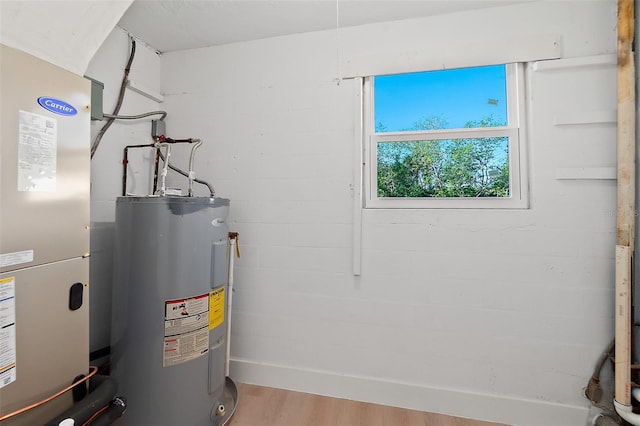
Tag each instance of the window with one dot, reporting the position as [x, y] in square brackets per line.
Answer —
[445, 139]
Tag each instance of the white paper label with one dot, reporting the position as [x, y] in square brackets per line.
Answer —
[16, 258]
[37, 151]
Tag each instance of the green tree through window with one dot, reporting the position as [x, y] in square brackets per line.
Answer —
[461, 167]
[446, 139]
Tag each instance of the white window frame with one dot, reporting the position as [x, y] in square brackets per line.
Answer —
[515, 131]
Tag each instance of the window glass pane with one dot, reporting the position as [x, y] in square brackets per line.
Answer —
[447, 99]
[468, 167]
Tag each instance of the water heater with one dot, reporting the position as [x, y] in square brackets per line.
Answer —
[168, 342]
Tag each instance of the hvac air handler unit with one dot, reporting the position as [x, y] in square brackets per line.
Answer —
[169, 334]
[44, 244]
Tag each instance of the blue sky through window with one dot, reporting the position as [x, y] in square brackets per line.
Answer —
[457, 96]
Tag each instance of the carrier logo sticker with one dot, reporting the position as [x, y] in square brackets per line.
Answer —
[56, 106]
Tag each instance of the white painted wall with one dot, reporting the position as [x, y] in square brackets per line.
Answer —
[497, 315]
[65, 33]
[494, 315]
[107, 66]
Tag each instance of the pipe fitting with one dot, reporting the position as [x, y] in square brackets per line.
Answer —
[102, 390]
[220, 410]
[626, 412]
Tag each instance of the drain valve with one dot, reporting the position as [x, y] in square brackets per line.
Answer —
[220, 410]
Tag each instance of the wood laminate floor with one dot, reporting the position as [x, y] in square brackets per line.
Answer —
[264, 406]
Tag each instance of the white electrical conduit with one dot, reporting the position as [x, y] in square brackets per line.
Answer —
[192, 173]
[626, 144]
[233, 251]
[165, 168]
[185, 174]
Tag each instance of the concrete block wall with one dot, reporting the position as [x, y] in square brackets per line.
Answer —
[493, 314]
[107, 66]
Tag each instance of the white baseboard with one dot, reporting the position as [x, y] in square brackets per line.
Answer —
[454, 402]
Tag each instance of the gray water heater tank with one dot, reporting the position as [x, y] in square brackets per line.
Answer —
[168, 341]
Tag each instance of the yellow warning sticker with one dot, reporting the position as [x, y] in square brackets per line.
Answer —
[216, 308]
[7, 331]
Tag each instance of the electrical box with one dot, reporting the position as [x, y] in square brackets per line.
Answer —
[97, 87]
[158, 128]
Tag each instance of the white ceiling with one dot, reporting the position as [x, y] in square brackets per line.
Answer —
[169, 25]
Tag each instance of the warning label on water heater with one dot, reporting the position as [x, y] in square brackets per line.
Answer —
[216, 307]
[186, 329]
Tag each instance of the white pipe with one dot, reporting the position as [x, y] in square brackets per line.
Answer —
[626, 412]
[232, 254]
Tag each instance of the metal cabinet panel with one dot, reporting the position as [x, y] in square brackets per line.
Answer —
[53, 225]
[52, 341]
